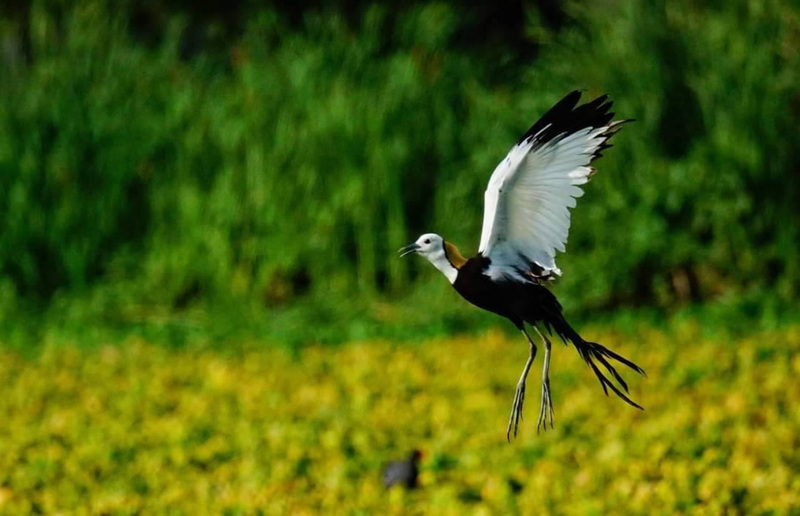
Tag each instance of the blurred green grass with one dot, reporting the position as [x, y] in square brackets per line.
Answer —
[195, 205]
[154, 160]
[132, 427]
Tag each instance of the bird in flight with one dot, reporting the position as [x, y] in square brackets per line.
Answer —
[526, 220]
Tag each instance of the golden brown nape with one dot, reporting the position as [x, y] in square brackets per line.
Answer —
[454, 256]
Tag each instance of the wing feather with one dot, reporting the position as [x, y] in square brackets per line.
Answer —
[528, 200]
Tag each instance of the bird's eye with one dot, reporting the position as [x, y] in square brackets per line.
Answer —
[427, 240]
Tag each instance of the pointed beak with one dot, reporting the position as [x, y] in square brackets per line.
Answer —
[410, 248]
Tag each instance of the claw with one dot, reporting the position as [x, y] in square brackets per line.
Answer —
[546, 409]
[516, 411]
[519, 394]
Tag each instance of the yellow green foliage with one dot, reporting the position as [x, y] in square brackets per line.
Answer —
[139, 428]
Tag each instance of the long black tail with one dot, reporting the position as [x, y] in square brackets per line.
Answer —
[591, 352]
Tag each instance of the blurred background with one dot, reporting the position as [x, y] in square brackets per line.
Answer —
[190, 174]
[161, 161]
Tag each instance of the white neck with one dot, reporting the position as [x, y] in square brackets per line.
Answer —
[440, 261]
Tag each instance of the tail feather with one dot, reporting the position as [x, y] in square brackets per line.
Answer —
[607, 384]
[591, 351]
[613, 371]
[548, 313]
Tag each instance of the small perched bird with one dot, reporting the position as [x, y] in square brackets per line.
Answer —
[403, 472]
[526, 220]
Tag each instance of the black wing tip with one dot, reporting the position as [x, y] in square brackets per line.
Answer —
[566, 117]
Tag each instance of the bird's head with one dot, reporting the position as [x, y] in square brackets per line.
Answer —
[443, 255]
[429, 245]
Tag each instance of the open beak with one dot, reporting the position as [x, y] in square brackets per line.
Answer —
[410, 248]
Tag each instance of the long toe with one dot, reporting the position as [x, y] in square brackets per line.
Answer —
[516, 412]
[541, 415]
[511, 418]
[511, 421]
[545, 410]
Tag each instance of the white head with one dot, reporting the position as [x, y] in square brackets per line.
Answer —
[433, 247]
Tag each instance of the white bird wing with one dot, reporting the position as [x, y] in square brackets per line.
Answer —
[528, 200]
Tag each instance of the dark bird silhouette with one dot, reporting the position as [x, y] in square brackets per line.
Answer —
[403, 472]
[526, 220]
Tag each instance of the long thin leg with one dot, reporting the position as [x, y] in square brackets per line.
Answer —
[546, 409]
[519, 395]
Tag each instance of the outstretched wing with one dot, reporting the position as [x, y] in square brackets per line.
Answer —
[526, 213]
